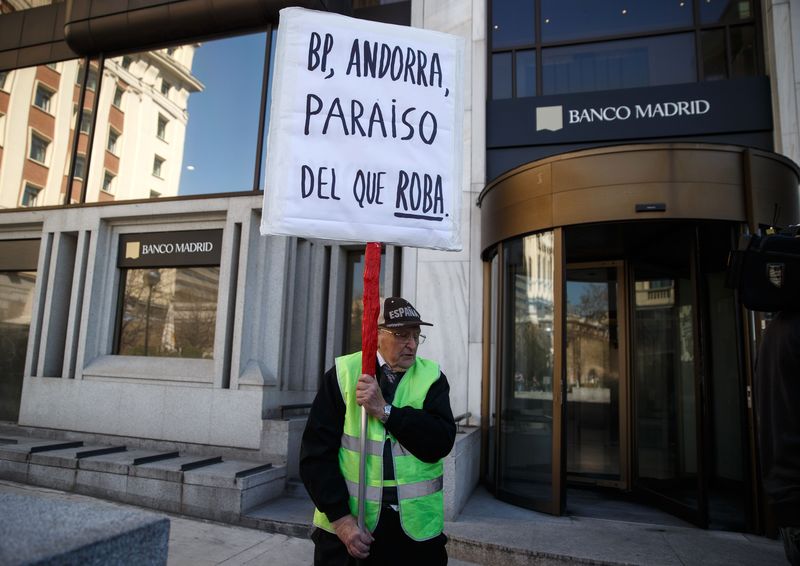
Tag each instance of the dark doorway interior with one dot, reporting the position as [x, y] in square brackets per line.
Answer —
[685, 418]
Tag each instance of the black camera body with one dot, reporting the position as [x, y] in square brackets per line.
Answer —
[766, 271]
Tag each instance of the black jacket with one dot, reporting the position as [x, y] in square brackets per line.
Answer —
[777, 396]
[428, 433]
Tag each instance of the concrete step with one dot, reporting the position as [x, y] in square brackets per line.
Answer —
[201, 486]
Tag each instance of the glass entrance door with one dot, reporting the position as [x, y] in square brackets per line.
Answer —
[596, 438]
[16, 290]
[529, 433]
[665, 369]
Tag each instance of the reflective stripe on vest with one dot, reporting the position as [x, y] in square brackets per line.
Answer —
[419, 484]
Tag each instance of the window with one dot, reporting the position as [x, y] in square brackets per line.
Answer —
[118, 96]
[108, 182]
[207, 82]
[39, 147]
[161, 131]
[165, 86]
[43, 97]
[169, 312]
[86, 121]
[53, 66]
[92, 84]
[113, 138]
[578, 19]
[30, 196]
[126, 62]
[354, 292]
[158, 166]
[80, 167]
[621, 64]
[542, 47]
[501, 76]
[3, 79]
[154, 194]
[512, 23]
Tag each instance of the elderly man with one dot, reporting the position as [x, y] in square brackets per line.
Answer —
[410, 430]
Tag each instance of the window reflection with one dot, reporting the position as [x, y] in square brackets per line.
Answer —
[619, 64]
[16, 300]
[354, 302]
[725, 11]
[185, 120]
[512, 23]
[10, 6]
[36, 119]
[526, 426]
[169, 312]
[579, 19]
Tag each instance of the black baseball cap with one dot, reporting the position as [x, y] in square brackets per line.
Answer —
[397, 312]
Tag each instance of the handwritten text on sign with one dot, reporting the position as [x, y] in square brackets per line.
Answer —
[365, 132]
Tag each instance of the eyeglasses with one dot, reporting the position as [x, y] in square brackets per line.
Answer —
[406, 336]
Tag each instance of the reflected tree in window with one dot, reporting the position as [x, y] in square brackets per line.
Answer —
[169, 312]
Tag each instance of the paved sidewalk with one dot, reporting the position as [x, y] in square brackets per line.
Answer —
[197, 542]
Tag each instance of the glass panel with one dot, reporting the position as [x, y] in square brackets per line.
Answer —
[743, 51]
[526, 418]
[10, 6]
[169, 311]
[37, 106]
[526, 73]
[354, 302]
[619, 64]
[713, 46]
[16, 298]
[725, 11]
[582, 19]
[501, 76]
[194, 107]
[663, 364]
[727, 490]
[512, 23]
[593, 373]
[269, 105]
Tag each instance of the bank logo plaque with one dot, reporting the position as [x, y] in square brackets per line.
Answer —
[132, 250]
[549, 118]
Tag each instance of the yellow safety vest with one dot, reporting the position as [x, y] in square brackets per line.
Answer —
[419, 484]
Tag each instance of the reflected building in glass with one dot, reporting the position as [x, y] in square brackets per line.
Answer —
[138, 132]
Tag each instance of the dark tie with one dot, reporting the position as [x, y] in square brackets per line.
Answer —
[389, 382]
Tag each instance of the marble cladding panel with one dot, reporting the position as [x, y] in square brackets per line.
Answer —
[144, 411]
[466, 153]
[475, 378]
[449, 16]
[469, 213]
[187, 412]
[478, 114]
[50, 403]
[475, 276]
[479, 8]
[790, 144]
[442, 299]
[235, 418]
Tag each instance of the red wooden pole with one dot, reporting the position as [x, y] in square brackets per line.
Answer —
[369, 347]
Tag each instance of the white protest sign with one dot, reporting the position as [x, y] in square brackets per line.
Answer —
[365, 140]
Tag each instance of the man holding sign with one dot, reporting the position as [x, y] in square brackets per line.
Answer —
[410, 430]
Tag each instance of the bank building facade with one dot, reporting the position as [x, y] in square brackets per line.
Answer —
[613, 156]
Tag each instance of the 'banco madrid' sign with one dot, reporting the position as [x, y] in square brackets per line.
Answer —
[675, 110]
[170, 249]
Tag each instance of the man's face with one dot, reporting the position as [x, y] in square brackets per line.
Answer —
[398, 346]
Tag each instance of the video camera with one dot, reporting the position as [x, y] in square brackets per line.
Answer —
[765, 269]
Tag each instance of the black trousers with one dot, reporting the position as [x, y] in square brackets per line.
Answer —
[391, 546]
